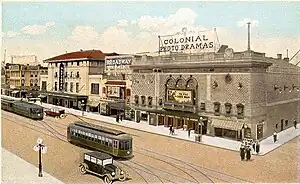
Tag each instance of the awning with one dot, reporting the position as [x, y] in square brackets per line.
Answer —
[93, 103]
[15, 92]
[42, 96]
[227, 124]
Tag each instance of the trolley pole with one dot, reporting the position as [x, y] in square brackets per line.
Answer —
[41, 148]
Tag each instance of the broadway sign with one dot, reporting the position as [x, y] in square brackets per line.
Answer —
[191, 41]
[118, 61]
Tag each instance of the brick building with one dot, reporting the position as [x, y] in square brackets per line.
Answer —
[227, 94]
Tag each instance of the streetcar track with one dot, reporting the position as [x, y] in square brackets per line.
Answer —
[135, 170]
[171, 165]
[195, 166]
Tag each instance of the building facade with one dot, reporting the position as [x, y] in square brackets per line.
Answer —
[74, 79]
[227, 94]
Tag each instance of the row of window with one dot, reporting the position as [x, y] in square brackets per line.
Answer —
[143, 100]
[66, 63]
[99, 139]
[228, 109]
[98, 161]
[66, 87]
[66, 75]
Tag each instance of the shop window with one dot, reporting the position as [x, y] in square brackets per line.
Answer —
[160, 102]
[240, 110]
[228, 108]
[136, 99]
[202, 106]
[77, 87]
[71, 86]
[94, 88]
[128, 92]
[143, 100]
[66, 86]
[217, 108]
[286, 122]
[149, 100]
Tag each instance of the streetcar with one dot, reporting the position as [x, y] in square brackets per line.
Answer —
[101, 164]
[32, 111]
[110, 141]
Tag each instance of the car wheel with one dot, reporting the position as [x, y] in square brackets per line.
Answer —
[62, 116]
[107, 180]
[82, 169]
[122, 177]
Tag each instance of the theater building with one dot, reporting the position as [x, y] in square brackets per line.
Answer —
[74, 79]
[227, 94]
[117, 86]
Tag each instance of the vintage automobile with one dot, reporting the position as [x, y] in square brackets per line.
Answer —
[101, 164]
[57, 113]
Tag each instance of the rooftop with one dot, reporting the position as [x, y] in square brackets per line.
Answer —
[82, 54]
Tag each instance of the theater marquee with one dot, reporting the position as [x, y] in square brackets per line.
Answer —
[179, 96]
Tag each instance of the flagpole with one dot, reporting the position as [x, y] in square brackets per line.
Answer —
[158, 45]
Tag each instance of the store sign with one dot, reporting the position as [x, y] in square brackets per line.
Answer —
[191, 41]
[118, 61]
[180, 96]
[113, 91]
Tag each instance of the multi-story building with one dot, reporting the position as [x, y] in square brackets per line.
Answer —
[22, 79]
[43, 82]
[227, 94]
[117, 85]
[75, 77]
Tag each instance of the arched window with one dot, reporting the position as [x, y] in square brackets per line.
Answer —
[191, 83]
[180, 83]
[171, 83]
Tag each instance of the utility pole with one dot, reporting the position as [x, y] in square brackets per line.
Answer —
[249, 35]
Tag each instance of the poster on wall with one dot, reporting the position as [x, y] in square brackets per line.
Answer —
[179, 96]
[113, 91]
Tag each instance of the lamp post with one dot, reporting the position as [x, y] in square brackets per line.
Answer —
[200, 125]
[82, 106]
[41, 148]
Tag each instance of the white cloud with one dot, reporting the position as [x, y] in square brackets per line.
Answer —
[243, 23]
[141, 35]
[37, 29]
[122, 22]
[10, 34]
[85, 34]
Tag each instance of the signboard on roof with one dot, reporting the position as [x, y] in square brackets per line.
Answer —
[118, 61]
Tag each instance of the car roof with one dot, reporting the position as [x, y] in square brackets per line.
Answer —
[98, 128]
[99, 155]
[28, 105]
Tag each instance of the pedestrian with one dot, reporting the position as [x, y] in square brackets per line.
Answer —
[121, 116]
[275, 136]
[171, 129]
[248, 153]
[189, 132]
[117, 117]
[253, 146]
[295, 124]
[257, 147]
[242, 152]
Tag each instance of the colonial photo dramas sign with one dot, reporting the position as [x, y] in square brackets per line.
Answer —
[188, 41]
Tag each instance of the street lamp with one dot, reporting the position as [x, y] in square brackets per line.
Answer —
[82, 105]
[201, 125]
[41, 148]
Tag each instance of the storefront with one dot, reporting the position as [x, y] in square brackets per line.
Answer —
[231, 129]
[67, 100]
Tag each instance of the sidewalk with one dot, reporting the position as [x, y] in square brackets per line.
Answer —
[17, 171]
[266, 145]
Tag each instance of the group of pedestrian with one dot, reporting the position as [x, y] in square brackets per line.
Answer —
[119, 116]
[246, 148]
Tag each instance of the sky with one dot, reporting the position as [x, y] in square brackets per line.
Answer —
[48, 29]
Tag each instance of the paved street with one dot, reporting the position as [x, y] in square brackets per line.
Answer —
[156, 158]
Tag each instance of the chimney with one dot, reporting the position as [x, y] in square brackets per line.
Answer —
[279, 56]
[286, 59]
